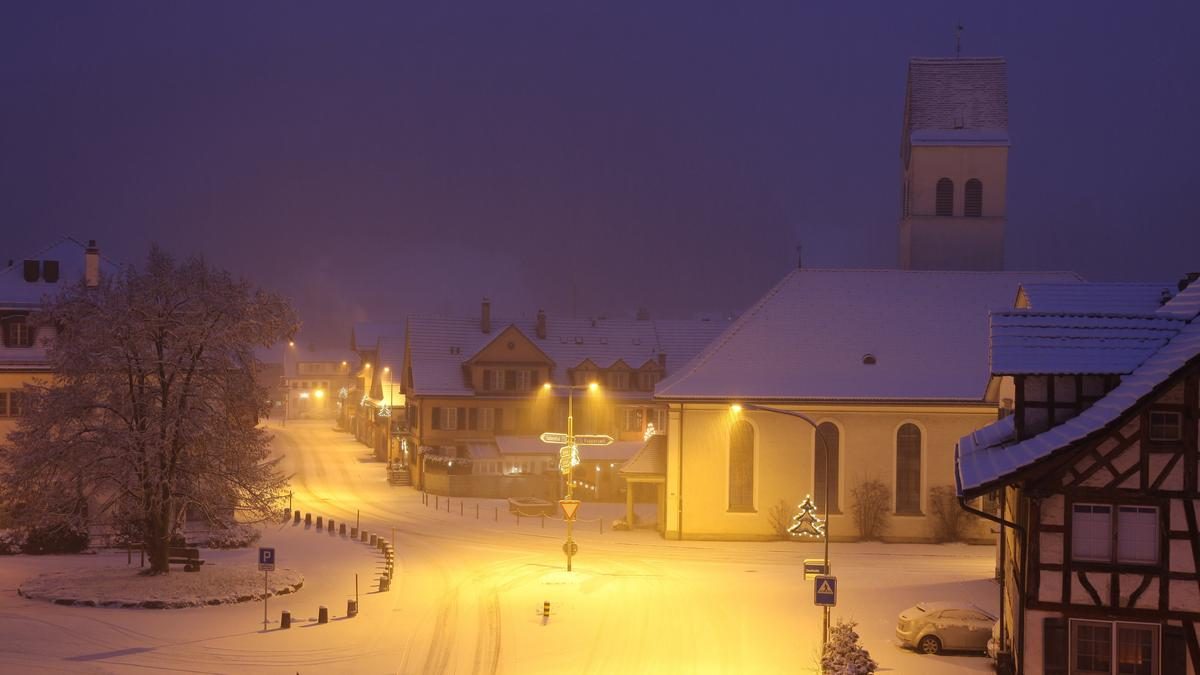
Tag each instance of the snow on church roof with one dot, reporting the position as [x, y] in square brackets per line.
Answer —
[957, 101]
[1095, 296]
[807, 338]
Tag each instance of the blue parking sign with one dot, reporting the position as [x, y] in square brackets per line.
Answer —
[266, 559]
[825, 591]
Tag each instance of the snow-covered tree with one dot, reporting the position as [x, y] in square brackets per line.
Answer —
[152, 408]
[843, 655]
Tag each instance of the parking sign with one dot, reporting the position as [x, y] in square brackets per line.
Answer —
[266, 559]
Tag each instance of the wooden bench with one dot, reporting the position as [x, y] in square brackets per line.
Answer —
[188, 557]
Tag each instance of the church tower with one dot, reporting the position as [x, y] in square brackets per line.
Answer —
[954, 164]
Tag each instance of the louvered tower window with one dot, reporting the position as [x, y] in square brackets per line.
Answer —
[973, 199]
[945, 197]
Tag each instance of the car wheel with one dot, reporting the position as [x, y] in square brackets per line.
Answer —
[929, 645]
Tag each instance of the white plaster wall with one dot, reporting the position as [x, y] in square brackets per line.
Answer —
[1126, 459]
[1034, 646]
[1099, 581]
[1051, 544]
[1129, 584]
[1178, 519]
[1174, 480]
[1183, 596]
[1052, 510]
[1050, 588]
[1181, 556]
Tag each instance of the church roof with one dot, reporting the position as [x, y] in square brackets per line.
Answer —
[957, 101]
[809, 336]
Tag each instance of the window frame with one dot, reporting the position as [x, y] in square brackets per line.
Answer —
[1113, 540]
[943, 195]
[920, 456]
[1177, 426]
[835, 507]
[1114, 644]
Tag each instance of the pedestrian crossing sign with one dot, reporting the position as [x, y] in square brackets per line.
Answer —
[825, 591]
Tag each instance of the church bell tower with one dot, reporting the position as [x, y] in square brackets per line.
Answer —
[954, 164]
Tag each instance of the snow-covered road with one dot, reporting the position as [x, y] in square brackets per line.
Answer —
[468, 594]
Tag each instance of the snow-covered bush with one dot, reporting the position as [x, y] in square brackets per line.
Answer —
[10, 542]
[843, 655]
[949, 519]
[238, 536]
[872, 498]
[60, 538]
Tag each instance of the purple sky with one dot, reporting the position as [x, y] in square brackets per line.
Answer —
[372, 160]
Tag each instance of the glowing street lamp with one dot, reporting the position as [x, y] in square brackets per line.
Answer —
[568, 458]
[823, 527]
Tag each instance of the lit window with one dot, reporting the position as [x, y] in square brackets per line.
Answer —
[1114, 648]
[632, 419]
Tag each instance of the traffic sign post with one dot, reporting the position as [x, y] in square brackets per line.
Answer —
[825, 591]
[266, 563]
[814, 567]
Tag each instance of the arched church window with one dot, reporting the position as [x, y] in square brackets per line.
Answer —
[945, 197]
[908, 469]
[741, 466]
[973, 199]
[829, 451]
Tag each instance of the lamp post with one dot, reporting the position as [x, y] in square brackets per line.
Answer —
[569, 458]
[287, 393]
[825, 453]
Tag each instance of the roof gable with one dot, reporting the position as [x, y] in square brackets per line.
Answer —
[510, 346]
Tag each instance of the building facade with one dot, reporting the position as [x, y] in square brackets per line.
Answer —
[313, 380]
[1097, 468]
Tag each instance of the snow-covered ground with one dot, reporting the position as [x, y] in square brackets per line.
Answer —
[468, 594]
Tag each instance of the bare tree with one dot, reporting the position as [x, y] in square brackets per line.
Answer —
[152, 409]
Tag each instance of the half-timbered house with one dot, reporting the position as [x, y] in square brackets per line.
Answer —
[1097, 474]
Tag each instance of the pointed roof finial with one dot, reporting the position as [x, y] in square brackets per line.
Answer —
[958, 40]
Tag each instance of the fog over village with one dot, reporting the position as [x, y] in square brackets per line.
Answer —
[569, 338]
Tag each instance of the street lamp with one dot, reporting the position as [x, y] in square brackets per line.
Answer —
[737, 408]
[568, 457]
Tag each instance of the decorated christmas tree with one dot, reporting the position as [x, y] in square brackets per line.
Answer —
[843, 655]
[807, 523]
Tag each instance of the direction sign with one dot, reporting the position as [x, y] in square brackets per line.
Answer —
[266, 559]
[825, 591]
[550, 437]
[593, 439]
[570, 507]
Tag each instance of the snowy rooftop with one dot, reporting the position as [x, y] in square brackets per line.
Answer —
[1026, 343]
[988, 455]
[365, 335]
[1096, 297]
[957, 94]
[441, 345]
[807, 338]
[300, 355]
[1186, 304]
[651, 460]
[16, 292]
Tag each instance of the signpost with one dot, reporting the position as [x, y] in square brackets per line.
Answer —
[825, 591]
[266, 563]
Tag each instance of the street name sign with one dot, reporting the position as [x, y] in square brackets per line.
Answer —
[825, 591]
[814, 567]
[266, 559]
[551, 437]
[593, 439]
[570, 507]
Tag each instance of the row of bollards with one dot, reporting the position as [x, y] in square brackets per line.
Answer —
[437, 506]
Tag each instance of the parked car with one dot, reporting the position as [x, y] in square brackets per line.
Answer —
[931, 627]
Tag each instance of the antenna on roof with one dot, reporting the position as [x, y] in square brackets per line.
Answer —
[799, 256]
[958, 41]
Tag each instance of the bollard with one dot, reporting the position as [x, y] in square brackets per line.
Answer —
[437, 502]
[601, 525]
[296, 515]
[323, 614]
[342, 529]
[545, 611]
[307, 519]
[331, 526]
[460, 508]
[363, 536]
[385, 584]
[448, 504]
[374, 539]
[354, 533]
[543, 521]
[287, 514]
[476, 510]
[320, 522]
[352, 608]
[496, 514]
[285, 619]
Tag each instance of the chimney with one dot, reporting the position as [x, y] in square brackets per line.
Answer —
[1188, 279]
[91, 264]
[643, 314]
[485, 316]
[662, 360]
[541, 324]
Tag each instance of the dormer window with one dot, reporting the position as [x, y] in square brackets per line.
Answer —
[618, 380]
[17, 332]
[647, 380]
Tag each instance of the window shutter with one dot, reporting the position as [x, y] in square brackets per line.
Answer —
[1174, 650]
[1054, 647]
[472, 419]
[462, 418]
[944, 200]
[33, 270]
[973, 198]
[435, 420]
[498, 424]
[534, 379]
[510, 380]
[50, 271]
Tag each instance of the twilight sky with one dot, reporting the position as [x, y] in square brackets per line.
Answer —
[375, 159]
